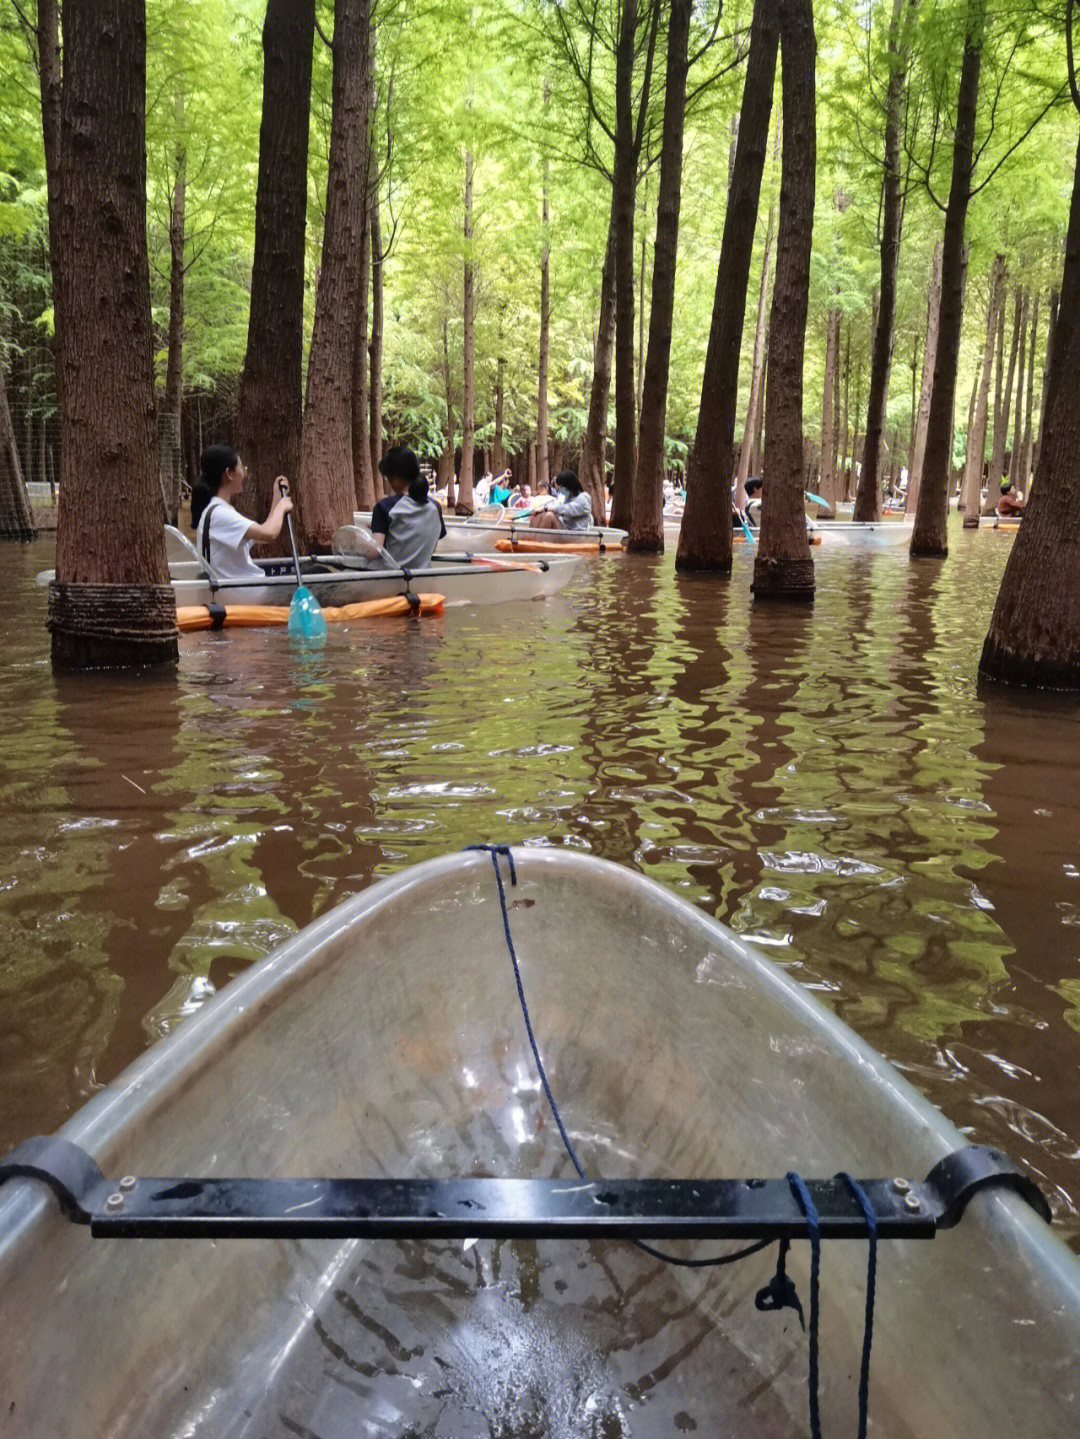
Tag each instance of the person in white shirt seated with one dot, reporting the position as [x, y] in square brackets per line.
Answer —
[223, 535]
[572, 510]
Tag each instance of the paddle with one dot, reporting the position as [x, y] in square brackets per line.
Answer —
[817, 499]
[747, 531]
[306, 619]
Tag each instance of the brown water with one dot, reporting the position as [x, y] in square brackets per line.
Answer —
[829, 782]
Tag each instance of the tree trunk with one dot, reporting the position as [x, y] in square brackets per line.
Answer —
[929, 535]
[646, 520]
[1001, 417]
[829, 416]
[468, 406]
[169, 430]
[751, 441]
[991, 500]
[705, 533]
[977, 440]
[498, 459]
[378, 330]
[1024, 472]
[1018, 417]
[845, 434]
[542, 473]
[1034, 636]
[451, 495]
[1046, 375]
[783, 567]
[640, 390]
[328, 489]
[271, 385]
[363, 473]
[623, 216]
[591, 472]
[933, 318]
[111, 602]
[16, 516]
[868, 497]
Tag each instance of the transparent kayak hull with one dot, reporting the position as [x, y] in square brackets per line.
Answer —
[387, 1039]
[483, 532]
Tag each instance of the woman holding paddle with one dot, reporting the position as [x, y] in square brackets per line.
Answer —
[223, 535]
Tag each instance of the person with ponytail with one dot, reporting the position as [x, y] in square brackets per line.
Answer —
[223, 535]
[407, 524]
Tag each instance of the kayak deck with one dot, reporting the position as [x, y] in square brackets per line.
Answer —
[387, 1040]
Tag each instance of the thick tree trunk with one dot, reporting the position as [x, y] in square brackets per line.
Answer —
[328, 489]
[1034, 636]
[623, 216]
[378, 328]
[111, 602]
[705, 533]
[929, 535]
[783, 568]
[969, 498]
[542, 473]
[1018, 417]
[646, 520]
[933, 317]
[591, 470]
[468, 390]
[1024, 471]
[271, 386]
[829, 417]
[868, 498]
[169, 456]
[363, 473]
[751, 441]
[16, 516]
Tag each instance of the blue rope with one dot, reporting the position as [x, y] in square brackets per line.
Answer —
[806, 1204]
[871, 1285]
[495, 850]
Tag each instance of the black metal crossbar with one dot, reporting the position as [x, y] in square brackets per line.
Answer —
[647, 1209]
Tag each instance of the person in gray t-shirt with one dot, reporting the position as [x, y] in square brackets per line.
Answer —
[407, 524]
[572, 509]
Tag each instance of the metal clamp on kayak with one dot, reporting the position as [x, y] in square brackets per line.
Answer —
[761, 1209]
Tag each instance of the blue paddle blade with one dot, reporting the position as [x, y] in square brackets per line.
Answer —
[306, 619]
[817, 499]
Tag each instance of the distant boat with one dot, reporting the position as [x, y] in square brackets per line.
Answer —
[386, 1040]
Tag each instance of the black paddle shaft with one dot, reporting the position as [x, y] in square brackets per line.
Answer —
[283, 489]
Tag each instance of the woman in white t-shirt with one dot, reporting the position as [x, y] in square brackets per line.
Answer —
[223, 535]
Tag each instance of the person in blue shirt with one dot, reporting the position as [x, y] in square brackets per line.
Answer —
[571, 510]
[407, 524]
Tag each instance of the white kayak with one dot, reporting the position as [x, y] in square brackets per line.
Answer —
[344, 579]
[493, 524]
[852, 534]
[386, 1041]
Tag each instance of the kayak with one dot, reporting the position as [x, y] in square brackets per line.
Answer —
[492, 525]
[859, 534]
[342, 580]
[384, 1052]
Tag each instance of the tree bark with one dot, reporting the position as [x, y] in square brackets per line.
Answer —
[498, 459]
[933, 317]
[992, 477]
[363, 472]
[542, 472]
[623, 216]
[111, 602]
[1018, 417]
[591, 472]
[842, 466]
[929, 535]
[705, 533]
[1046, 375]
[468, 403]
[829, 417]
[174, 365]
[783, 567]
[646, 520]
[1001, 418]
[977, 440]
[1034, 636]
[451, 495]
[378, 329]
[16, 516]
[1024, 471]
[328, 489]
[868, 497]
[271, 385]
[752, 430]
[640, 390]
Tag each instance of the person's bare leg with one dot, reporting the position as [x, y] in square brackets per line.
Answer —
[545, 520]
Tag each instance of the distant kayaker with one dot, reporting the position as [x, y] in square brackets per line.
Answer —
[223, 535]
[1011, 502]
[408, 524]
[571, 510]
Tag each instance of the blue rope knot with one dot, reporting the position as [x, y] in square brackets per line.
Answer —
[495, 850]
[780, 1292]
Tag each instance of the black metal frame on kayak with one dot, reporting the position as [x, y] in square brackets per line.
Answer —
[763, 1209]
